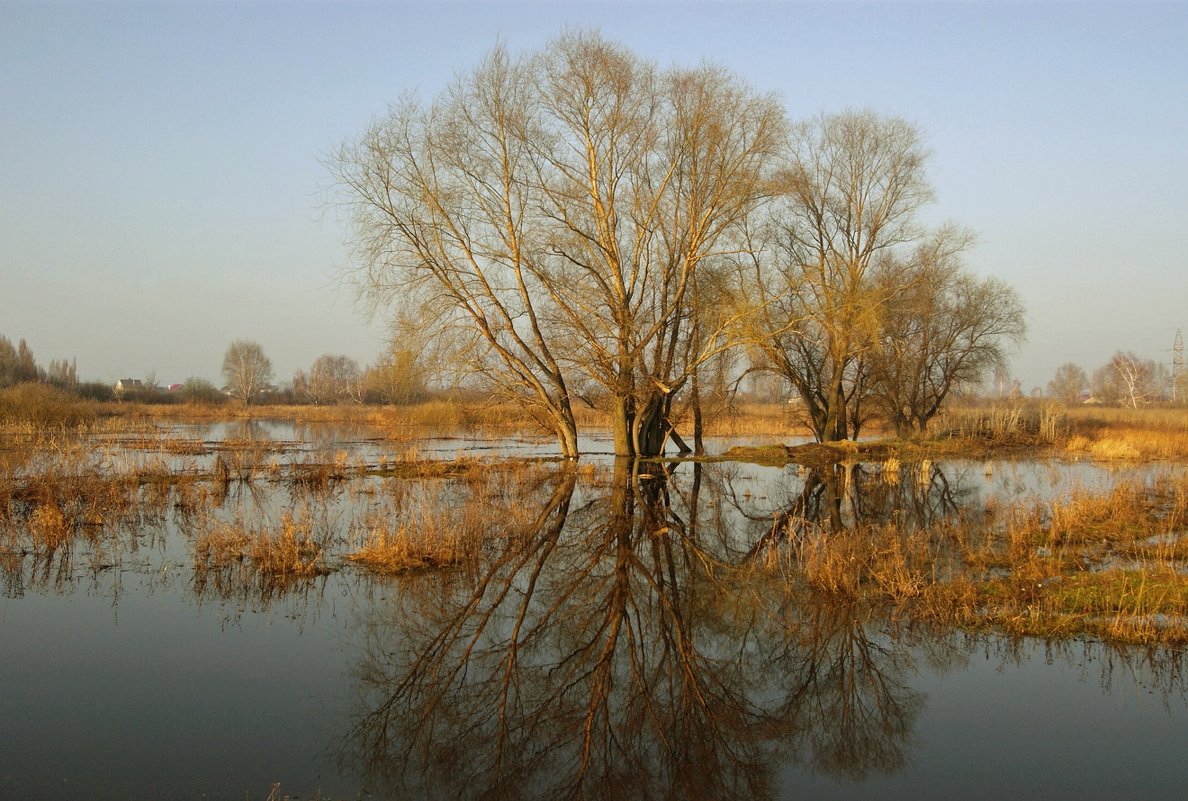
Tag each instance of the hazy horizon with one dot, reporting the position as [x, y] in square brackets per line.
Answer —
[162, 192]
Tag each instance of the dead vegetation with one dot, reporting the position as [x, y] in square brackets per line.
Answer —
[290, 550]
[1110, 564]
[258, 515]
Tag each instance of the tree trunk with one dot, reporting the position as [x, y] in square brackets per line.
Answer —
[678, 440]
[835, 408]
[649, 430]
[567, 438]
[622, 421]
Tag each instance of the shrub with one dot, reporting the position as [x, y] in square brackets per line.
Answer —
[199, 390]
[43, 405]
[96, 391]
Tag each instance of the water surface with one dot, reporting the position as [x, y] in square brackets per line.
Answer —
[603, 644]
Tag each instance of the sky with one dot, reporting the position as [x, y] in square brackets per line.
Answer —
[163, 189]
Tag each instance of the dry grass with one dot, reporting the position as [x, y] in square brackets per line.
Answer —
[469, 416]
[62, 488]
[43, 406]
[752, 419]
[1128, 442]
[389, 551]
[288, 551]
[1007, 423]
[1112, 565]
[1084, 432]
[432, 525]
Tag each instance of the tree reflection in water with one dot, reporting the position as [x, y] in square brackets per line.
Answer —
[845, 496]
[621, 648]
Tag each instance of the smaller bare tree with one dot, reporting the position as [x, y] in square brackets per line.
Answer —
[246, 369]
[1068, 384]
[942, 328]
[1139, 381]
[334, 379]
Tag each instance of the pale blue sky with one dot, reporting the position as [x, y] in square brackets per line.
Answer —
[161, 192]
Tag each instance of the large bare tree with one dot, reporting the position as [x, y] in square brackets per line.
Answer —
[559, 208]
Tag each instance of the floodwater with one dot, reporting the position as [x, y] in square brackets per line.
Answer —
[599, 645]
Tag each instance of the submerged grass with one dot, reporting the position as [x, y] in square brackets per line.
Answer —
[1112, 565]
[233, 556]
[426, 525]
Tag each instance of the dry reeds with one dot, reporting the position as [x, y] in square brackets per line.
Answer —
[1007, 423]
[1112, 564]
[289, 551]
[1128, 434]
[43, 406]
[391, 551]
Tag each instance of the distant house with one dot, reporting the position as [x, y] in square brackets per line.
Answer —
[128, 385]
[176, 387]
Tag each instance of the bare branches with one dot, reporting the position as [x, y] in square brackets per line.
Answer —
[246, 369]
[562, 205]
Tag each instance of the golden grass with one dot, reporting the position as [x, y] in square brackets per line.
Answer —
[288, 551]
[62, 488]
[1110, 564]
[1126, 434]
[43, 406]
[750, 419]
[1011, 423]
[434, 525]
[399, 422]
[1113, 442]
[389, 551]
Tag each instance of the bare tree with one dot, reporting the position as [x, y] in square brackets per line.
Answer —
[1068, 384]
[942, 328]
[1105, 386]
[246, 369]
[17, 365]
[849, 198]
[558, 208]
[397, 377]
[1138, 381]
[333, 379]
[62, 373]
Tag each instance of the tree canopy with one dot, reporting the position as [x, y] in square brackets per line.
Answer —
[581, 225]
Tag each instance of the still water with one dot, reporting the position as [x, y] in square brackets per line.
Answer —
[601, 645]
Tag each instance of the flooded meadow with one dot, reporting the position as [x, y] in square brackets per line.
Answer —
[256, 609]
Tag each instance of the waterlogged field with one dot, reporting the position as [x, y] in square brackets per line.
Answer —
[254, 609]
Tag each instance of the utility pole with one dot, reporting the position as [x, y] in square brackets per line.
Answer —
[1177, 362]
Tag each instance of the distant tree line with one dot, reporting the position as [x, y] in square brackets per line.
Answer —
[397, 377]
[1126, 379]
[17, 366]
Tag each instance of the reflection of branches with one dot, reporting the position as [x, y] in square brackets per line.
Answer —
[1155, 669]
[846, 496]
[604, 654]
[857, 714]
